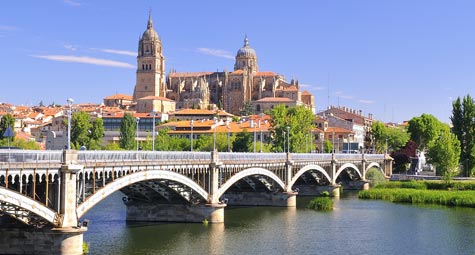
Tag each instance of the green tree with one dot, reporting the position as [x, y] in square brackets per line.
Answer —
[386, 138]
[127, 132]
[80, 128]
[297, 121]
[243, 142]
[424, 130]
[444, 153]
[327, 146]
[6, 121]
[463, 121]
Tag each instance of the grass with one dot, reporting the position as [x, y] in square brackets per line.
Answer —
[428, 185]
[439, 197]
[321, 204]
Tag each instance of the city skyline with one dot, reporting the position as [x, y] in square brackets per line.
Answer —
[395, 60]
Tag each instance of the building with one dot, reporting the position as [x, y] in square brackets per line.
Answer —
[246, 84]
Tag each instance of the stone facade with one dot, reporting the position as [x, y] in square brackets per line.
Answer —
[208, 90]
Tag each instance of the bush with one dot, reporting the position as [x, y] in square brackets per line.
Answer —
[375, 177]
[403, 185]
[321, 204]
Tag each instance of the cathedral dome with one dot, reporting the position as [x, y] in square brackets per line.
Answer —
[246, 50]
[149, 34]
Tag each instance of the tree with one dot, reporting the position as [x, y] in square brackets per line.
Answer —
[127, 132]
[444, 153]
[327, 146]
[6, 121]
[299, 121]
[242, 142]
[247, 109]
[424, 130]
[463, 121]
[402, 157]
[80, 127]
[388, 137]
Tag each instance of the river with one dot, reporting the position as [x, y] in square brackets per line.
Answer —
[353, 227]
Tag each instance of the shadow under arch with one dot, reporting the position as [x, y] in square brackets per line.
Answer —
[134, 178]
[248, 172]
[308, 168]
[348, 165]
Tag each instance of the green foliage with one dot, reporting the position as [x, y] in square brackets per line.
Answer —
[6, 121]
[448, 198]
[243, 142]
[325, 194]
[327, 146]
[424, 130]
[444, 154]
[402, 185]
[321, 204]
[388, 137]
[298, 119]
[463, 121]
[127, 132]
[113, 147]
[375, 177]
[26, 145]
[85, 248]
[80, 127]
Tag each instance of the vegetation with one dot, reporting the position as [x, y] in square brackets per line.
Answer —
[297, 121]
[414, 196]
[86, 133]
[375, 177]
[6, 121]
[388, 137]
[242, 142]
[127, 132]
[463, 121]
[85, 248]
[321, 204]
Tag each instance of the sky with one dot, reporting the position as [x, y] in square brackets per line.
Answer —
[395, 59]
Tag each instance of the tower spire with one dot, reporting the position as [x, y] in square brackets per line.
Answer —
[246, 41]
[150, 22]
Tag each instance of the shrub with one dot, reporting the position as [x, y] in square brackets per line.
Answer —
[375, 177]
[321, 204]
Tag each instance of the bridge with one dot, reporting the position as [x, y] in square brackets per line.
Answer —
[49, 191]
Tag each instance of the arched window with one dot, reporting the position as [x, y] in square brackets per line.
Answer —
[143, 67]
[258, 108]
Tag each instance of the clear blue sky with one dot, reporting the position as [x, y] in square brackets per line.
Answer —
[396, 59]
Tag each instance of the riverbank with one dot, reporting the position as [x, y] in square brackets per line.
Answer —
[460, 194]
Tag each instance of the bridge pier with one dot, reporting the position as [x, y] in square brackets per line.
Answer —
[147, 212]
[24, 240]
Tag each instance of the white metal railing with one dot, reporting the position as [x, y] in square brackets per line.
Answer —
[173, 156]
[7, 155]
[108, 156]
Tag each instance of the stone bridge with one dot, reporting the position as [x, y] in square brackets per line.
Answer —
[49, 191]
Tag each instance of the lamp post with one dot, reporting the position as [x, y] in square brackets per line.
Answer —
[261, 141]
[333, 142]
[284, 141]
[254, 125]
[153, 130]
[228, 127]
[137, 132]
[191, 136]
[70, 104]
[288, 139]
[214, 137]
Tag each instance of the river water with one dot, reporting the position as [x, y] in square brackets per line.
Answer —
[353, 227]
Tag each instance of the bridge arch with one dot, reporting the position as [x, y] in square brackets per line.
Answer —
[374, 164]
[24, 202]
[307, 168]
[134, 178]
[248, 172]
[347, 165]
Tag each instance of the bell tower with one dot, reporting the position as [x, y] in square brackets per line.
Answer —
[150, 78]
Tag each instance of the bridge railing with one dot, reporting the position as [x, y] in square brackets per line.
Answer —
[108, 156]
[243, 156]
[30, 156]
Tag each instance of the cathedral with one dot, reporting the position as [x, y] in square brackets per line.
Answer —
[230, 91]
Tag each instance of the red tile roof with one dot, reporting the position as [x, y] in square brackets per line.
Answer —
[274, 99]
[120, 96]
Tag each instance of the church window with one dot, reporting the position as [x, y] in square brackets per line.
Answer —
[258, 108]
[143, 67]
